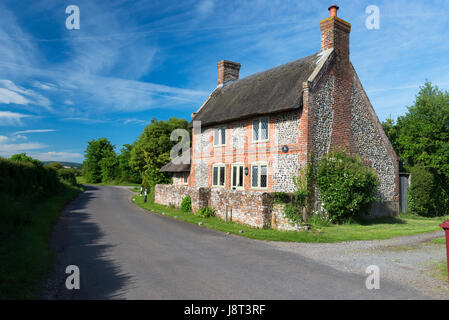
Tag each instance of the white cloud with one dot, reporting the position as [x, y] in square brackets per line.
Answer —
[134, 120]
[44, 85]
[8, 149]
[34, 131]
[8, 118]
[11, 93]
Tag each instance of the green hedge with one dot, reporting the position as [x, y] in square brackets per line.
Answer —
[32, 180]
[427, 196]
[67, 175]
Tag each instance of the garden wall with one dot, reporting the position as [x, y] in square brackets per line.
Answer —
[247, 207]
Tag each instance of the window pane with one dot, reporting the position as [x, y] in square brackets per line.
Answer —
[216, 136]
[223, 135]
[256, 130]
[241, 176]
[222, 176]
[264, 129]
[263, 176]
[234, 176]
[215, 176]
[254, 176]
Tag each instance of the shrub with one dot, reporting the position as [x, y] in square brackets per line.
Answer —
[281, 197]
[424, 194]
[292, 213]
[206, 212]
[347, 186]
[27, 178]
[67, 175]
[186, 204]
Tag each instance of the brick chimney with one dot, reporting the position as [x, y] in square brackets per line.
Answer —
[335, 34]
[227, 71]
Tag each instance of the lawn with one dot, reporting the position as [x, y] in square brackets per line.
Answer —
[25, 256]
[376, 229]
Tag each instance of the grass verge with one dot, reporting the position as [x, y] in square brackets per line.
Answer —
[25, 256]
[442, 267]
[370, 230]
[439, 240]
[82, 180]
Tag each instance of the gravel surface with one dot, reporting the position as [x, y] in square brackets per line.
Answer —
[410, 260]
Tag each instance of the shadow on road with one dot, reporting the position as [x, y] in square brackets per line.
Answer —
[77, 240]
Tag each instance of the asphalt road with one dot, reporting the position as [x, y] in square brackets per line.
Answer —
[124, 252]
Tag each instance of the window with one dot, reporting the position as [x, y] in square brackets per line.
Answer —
[220, 136]
[259, 175]
[185, 178]
[260, 129]
[218, 175]
[237, 176]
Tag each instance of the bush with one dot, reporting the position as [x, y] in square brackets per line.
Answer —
[347, 186]
[186, 204]
[25, 178]
[424, 194]
[281, 197]
[67, 175]
[292, 213]
[206, 212]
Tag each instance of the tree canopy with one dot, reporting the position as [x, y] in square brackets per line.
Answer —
[152, 150]
[421, 137]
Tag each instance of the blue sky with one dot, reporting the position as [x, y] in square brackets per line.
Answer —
[132, 61]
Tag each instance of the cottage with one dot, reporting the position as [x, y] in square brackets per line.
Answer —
[253, 134]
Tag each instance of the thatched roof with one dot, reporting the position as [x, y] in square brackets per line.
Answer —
[274, 90]
[171, 167]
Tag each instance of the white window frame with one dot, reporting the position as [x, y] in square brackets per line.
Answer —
[238, 164]
[258, 164]
[219, 129]
[218, 165]
[260, 129]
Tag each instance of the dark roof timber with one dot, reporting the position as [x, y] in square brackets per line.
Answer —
[275, 90]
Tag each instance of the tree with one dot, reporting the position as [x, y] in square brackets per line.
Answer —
[24, 158]
[152, 150]
[94, 169]
[109, 166]
[421, 139]
[423, 133]
[127, 173]
[55, 165]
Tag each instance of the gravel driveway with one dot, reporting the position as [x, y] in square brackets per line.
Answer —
[409, 260]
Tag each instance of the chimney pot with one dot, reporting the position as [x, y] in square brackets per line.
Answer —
[227, 71]
[333, 10]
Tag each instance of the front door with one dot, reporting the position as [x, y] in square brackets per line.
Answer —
[237, 177]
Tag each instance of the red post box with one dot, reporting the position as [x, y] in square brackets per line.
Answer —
[445, 226]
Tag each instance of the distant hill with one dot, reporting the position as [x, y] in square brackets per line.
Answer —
[65, 164]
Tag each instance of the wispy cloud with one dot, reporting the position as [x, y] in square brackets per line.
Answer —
[8, 149]
[8, 118]
[11, 93]
[34, 131]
